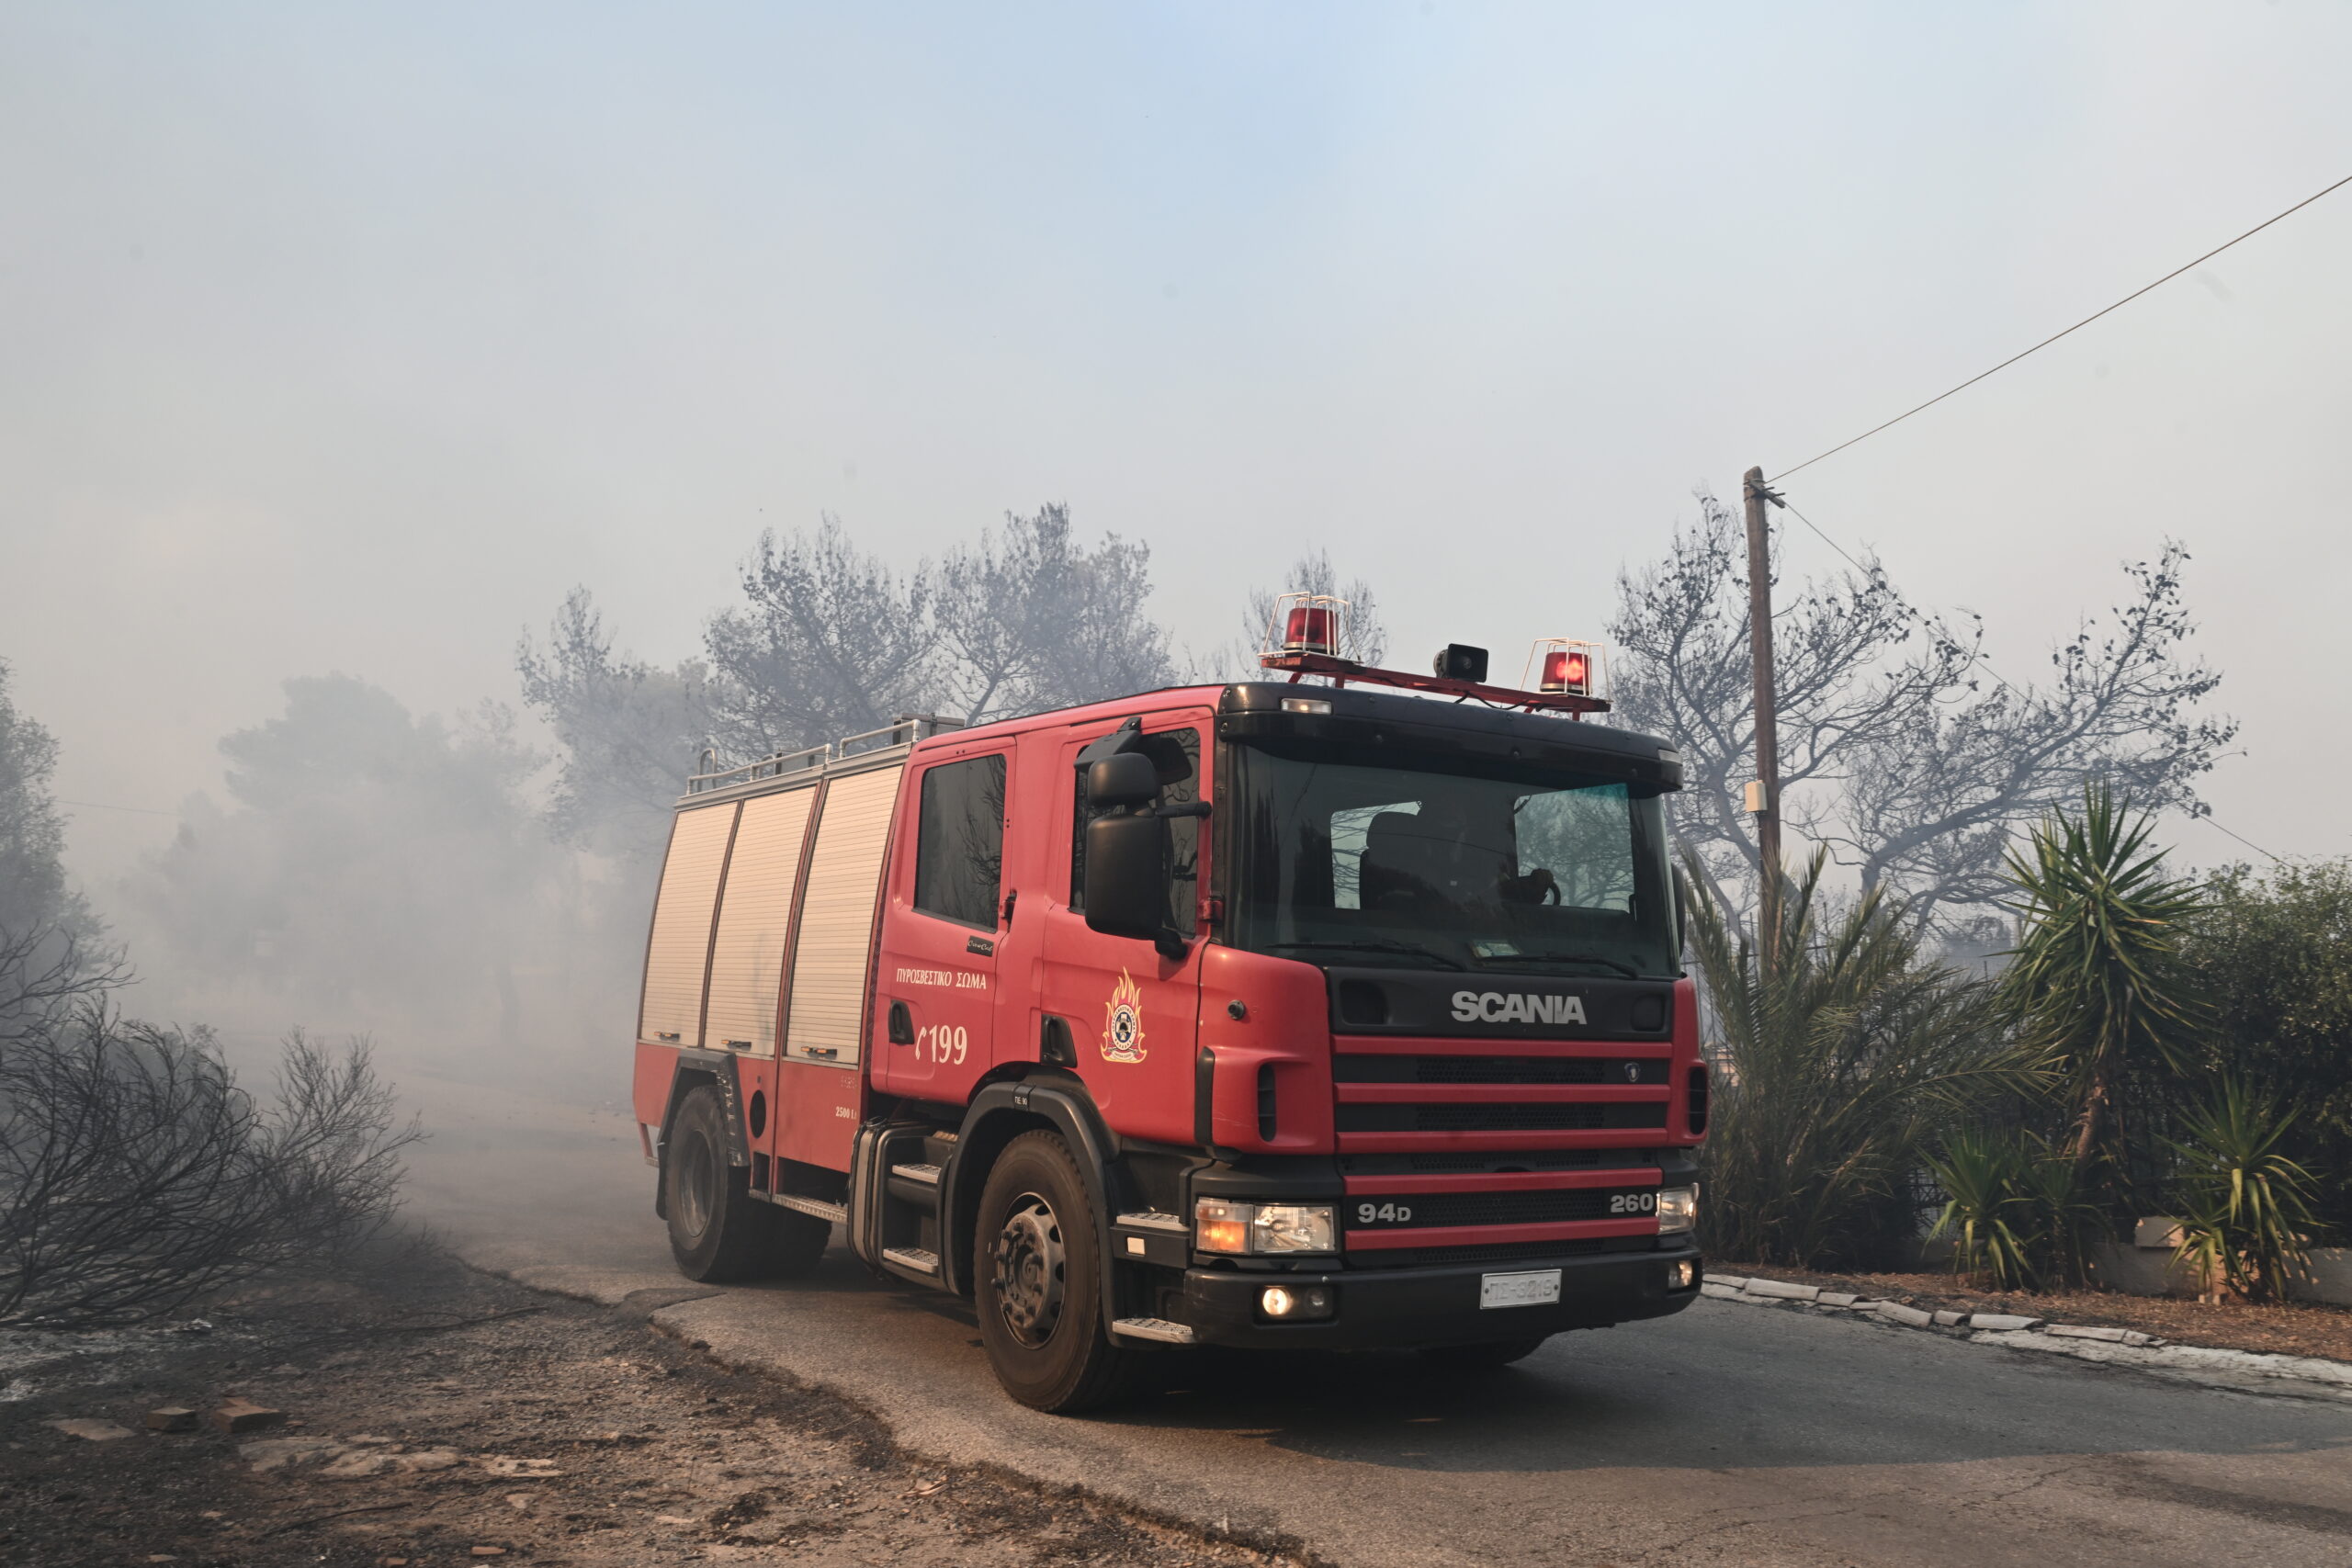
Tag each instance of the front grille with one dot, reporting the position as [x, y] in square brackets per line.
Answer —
[1497, 1118]
[1490, 1163]
[1498, 1207]
[1437, 1257]
[1498, 1069]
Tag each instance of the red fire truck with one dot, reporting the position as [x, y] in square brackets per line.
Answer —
[1263, 1015]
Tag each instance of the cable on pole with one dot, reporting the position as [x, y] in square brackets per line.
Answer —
[2053, 337]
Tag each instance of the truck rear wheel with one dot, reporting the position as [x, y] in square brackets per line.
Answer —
[718, 1232]
[1037, 1274]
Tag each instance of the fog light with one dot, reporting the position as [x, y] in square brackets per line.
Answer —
[1294, 1303]
[1682, 1276]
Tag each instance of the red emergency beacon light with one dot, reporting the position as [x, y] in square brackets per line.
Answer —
[1566, 667]
[1310, 623]
[1308, 631]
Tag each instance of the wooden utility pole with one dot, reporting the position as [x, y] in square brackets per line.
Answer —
[1765, 800]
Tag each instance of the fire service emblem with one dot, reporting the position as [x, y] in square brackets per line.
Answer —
[1123, 1021]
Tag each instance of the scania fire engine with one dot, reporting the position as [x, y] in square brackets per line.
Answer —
[1343, 1015]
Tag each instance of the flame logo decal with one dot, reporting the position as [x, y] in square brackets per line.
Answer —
[1123, 1021]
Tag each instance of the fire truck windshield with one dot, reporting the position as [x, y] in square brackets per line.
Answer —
[1455, 863]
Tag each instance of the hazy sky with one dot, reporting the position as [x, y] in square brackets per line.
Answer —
[348, 338]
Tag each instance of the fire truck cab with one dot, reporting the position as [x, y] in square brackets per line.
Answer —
[1263, 1015]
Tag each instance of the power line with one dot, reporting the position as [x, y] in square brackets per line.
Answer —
[102, 806]
[1981, 662]
[2053, 337]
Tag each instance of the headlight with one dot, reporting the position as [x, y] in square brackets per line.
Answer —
[1221, 1226]
[1292, 1227]
[1678, 1209]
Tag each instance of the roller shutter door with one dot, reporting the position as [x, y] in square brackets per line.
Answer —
[679, 946]
[754, 917]
[837, 918]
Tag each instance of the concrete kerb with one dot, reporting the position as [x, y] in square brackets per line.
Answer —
[2088, 1342]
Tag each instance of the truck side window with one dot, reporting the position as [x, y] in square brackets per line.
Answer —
[1177, 755]
[959, 841]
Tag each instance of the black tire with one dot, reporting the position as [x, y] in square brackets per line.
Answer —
[1487, 1357]
[1036, 1269]
[718, 1232]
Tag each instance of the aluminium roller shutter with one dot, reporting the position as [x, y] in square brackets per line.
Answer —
[754, 916]
[837, 918]
[680, 944]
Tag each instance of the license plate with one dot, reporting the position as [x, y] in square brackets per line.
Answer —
[1537, 1288]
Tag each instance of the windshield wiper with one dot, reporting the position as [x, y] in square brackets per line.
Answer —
[1424, 954]
[1626, 969]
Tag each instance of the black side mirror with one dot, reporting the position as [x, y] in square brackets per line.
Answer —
[1127, 779]
[1126, 872]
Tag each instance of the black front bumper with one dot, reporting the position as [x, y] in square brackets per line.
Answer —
[1410, 1308]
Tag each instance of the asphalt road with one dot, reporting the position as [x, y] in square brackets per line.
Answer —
[1728, 1434]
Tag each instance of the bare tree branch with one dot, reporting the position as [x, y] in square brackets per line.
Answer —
[1898, 753]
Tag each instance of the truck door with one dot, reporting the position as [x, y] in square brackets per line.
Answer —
[1131, 1012]
[935, 988]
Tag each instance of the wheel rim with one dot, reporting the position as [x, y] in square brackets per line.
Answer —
[1031, 1269]
[694, 1186]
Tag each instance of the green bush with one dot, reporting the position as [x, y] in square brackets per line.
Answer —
[2274, 953]
[1982, 1174]
[1840, 1069]
[2245, 1206]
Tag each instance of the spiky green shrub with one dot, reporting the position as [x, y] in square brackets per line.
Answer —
[2246, 1205]
[2097, 979]
[1840, 1068]
[1983, 1176]
[2064, 1220]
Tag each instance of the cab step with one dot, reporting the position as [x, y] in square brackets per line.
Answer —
[926, 1174]
[1156, 1328]
[916, 1259]
[836, 1213]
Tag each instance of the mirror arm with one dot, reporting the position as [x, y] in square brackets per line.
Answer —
[1187, 808]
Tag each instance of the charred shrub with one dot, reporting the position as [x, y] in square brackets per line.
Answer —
[136, 1176]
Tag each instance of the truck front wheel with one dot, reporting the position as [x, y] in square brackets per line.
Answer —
[1037, 1282]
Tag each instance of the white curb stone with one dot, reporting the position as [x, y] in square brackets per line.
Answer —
[1736, 1284]
[2112, 1336]
[2085, 1342]
[1781, 1291]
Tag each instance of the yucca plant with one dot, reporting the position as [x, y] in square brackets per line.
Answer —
[1986, 1211]
[1843, 1062]
[2065, 1219]
[2097, 978]
[2245, 1206]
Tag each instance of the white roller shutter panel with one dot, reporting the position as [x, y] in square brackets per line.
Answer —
[837, 918]
[671, 1014]
[746, 957]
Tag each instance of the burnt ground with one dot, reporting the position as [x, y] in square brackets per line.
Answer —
[2286, 1328]
[436, 1415]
